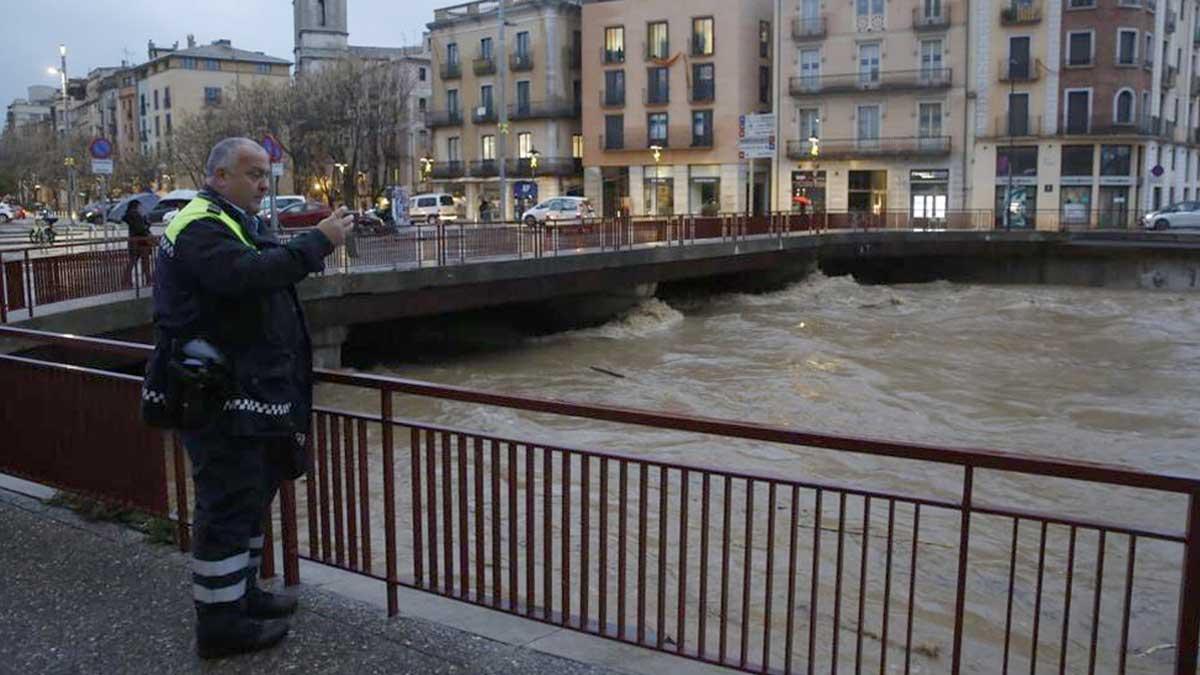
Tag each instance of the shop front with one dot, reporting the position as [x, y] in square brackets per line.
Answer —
[808, 191]
[930, 193]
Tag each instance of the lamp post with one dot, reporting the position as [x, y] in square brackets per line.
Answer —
[656, 153]
[341, 167]
[426, 169]
[61, 71]
[1009, 160]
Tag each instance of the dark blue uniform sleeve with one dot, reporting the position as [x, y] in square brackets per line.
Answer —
[223, 265]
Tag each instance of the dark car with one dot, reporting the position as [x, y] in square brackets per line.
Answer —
[307, 214]
[96, 212]
[146, 202]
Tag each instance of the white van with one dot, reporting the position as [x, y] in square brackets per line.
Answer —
[432, 207]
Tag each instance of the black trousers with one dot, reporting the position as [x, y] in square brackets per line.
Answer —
[235, 480]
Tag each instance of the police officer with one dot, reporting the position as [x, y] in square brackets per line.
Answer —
[225, 280]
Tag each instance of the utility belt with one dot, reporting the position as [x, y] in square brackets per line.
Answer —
[186, 387]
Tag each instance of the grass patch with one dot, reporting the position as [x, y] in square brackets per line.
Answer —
[157, 530]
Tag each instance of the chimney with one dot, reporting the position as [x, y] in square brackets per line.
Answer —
[225, 42]
[191, 40]
[150, 49]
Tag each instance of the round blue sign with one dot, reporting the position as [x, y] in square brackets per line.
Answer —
[273, 148]
[1157, 170]
[101, 148]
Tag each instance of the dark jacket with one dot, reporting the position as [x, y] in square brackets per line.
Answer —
[210, 284]
[136, 221]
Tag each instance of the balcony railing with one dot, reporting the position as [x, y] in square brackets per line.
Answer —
[444, 170]
[612, 99]
[484, 168]
[656, 96]
[808, 29]
[484, 65]
[451, 71]
[926, 78]
[546, 166]
[610, 56]
[1170, 23]
[484, 114]
[443, 118]
[1020, 71]
[1021, 13]
[1016, 126]
[548, 109]
[924, 21]
[610, 142]
[703, 93]
[1170, 74]
[874, 147]
[520, 62]
[662, 52]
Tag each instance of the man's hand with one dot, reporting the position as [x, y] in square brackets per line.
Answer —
[337, 225]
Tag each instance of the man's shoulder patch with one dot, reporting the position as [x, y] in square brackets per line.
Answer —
[213, 209]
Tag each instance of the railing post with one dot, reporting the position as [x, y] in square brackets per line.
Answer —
[1188, 636]
[291, 544]
[3, 291]
[964, 542]
[28, 272]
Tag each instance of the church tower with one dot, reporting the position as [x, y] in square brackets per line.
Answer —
[321, 32]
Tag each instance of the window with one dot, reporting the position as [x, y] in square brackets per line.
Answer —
[703, 86]
[1115, 160]
[930, 115]
[168, 123]
[1078, 160]
[452, 153]
[452, 101]
[212, 95]
[1078, 113]
[524, 144]
[658, 43]
[810, 123]
[421, 74]
[868, 64]
[1081, 4]
[867, 8]
[1123, 107]
[262, 68]
[614, 132]
[523, 97]
[1019, 62]
[487, 149]
[764, 39]
[1079, 49]
[702, 36]
[764, 85]
[614, 87]
[931, 59]
[485, 48]
[1126, 47]
[810, 69]
[452, 54]
[1021, 160]
[577, 146]
[167, 98]
[212, 64]
[421, 104]
[485, 98]
[702, 128]
[1018, 115]
[614, 44]
[523, 44]
[656, 129]
[188, 63]
[156, 99]
[868, 124]
[659, 81]
[157, 130]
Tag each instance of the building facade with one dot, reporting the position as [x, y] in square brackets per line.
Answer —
[537, 78]
[34, 109]
[322, 33]
[665, 84]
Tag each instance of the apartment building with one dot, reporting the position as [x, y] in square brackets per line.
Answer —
[175, 83]
[665, 84]
[34, 109]
[1087, 117]
[873, 106]
[540, 70]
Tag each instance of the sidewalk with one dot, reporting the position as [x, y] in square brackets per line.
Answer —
[79, 596]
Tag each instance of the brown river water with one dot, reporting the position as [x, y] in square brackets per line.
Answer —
[1091, 374]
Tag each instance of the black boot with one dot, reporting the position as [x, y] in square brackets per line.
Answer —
[262, 604]
[225, 630]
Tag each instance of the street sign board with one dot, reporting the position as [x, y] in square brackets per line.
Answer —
[756, 126]
[525, 190]
[273, 148]
[1157, 170]
[276, 169]
[102, 166]
[756, 148]
[100, 148]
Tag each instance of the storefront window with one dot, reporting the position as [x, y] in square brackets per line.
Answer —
[1115, 160]
[1076, 204]
[1078, 160]
[808, 191]
[1023, 161]
[658, 191]
[704, 190]
[868, 191]
[1019, 204]
[930, 190]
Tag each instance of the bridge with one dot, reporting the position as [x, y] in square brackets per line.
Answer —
[590, 271]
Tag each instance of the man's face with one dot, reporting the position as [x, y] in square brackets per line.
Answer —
[245, 184]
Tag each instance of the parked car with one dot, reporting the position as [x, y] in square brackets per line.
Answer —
[7, 213]
[281, 203]
[97, 211]
[559, 210]
[173, 200]
[432, 207]
[146, 201]
[304, 214]
[1181, 215]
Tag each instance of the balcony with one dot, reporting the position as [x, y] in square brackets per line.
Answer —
[612, 99]
[546, 166]
[923, 21]
[484, 114]
[1170, 75]
[612, 142]
[445, 170]
[443, 118]
[549, 109]
[848, 148]
[451, 71]
[1170, 23]
[612, 56]
[703, 93]
[656, 96]
[519, 62]
[895, 80]
[1019, 13]
[485, 168]
[484, 65]
[1016, 126]
[1020, 71]
[808, 29]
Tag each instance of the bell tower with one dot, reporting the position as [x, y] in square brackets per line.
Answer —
[321, 32]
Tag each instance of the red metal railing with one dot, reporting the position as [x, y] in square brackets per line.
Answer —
[744, 568]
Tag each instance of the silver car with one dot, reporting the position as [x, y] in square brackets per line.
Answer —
[559, 210]
[1178, 216]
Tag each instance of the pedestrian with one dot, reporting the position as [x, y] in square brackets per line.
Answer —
[139, 243]
[485, 210]
[225, 298]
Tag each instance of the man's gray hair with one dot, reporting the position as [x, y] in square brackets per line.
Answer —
[224, 154]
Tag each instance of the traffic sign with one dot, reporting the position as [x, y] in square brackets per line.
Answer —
[756, 148]
[276, 169]
[100, 148]
[102, 166]
[756, 126]
[273, 148]
[1157, 170]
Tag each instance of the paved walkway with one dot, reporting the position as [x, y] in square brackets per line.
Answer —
[87, 597]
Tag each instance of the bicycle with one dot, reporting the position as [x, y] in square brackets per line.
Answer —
[43, 229]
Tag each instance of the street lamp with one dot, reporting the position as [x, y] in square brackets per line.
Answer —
[533, 162]
[61, 71]
[1008, 197]
[656, 151]
[426, 168]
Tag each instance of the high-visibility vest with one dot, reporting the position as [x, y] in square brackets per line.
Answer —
[202, 208]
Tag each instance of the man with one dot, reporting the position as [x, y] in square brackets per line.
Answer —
[139, 239]
[224, 280]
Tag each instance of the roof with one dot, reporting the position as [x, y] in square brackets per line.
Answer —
[222, 51]
[386, 53]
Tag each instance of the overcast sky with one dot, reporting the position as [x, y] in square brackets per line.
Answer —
[103, 32]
